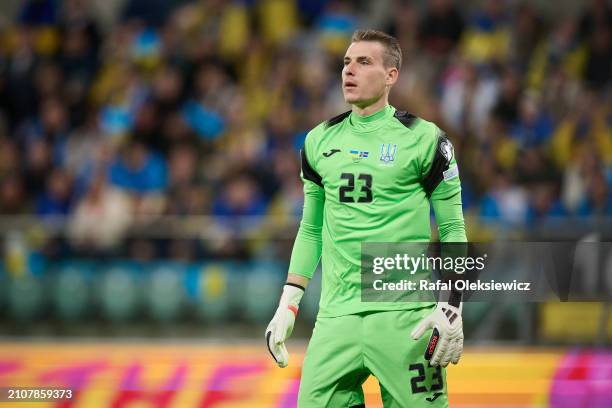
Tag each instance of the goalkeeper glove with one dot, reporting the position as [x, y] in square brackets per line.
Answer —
[281, 325]
[446, 342]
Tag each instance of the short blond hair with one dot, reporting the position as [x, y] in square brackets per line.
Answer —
[393, 52]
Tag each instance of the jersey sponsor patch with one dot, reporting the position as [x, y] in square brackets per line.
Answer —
[451, 173]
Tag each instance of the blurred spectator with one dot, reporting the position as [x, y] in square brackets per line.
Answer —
[504, 203]
[183, 163]
[54, 127]
[48, 80]
[146, 128]
[533, 166]
[238, 211]
[189, 200]
[506, 107]
[534, 126]
[280, 130]
[561, 52]
[467, 97]
[211, 96]
[81, 42]
[586, 127]
[9, 158]
[22, 62]
[12, 196]
[598, 69]
[597, 14]
[441, 28]
[202, 120]
[138, 170]
[527, 30]
[598, 200]
[405, 26]
[584, 166]
[544, 203]
[239, 197]
[86, 152]
[56, 199]
[101, 218]
[38, 165]
[167, 88]
[290, 197]
[213, 87]
[187, 194]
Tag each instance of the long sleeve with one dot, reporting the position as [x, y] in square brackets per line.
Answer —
[308, 242]
[442, 184]
[449, 216]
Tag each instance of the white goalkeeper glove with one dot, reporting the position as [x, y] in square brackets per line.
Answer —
[446, 341]
[281, 325]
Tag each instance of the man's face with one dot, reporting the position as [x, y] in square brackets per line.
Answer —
[364, 77]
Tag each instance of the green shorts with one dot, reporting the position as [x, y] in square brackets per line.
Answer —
[344, 351]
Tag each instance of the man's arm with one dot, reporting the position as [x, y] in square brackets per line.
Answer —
[443, 187]
[296, 279]
[449, 216]
[304, 259]
[308, 242]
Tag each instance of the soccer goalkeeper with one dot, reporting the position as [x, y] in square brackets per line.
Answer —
[370, 174]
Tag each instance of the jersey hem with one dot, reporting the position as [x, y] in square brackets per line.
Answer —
[374, 307]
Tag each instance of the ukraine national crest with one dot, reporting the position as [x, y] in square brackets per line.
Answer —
[387, 153]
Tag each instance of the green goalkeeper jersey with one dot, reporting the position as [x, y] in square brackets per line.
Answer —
[371, 179]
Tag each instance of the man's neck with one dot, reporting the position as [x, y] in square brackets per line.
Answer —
[370, 109]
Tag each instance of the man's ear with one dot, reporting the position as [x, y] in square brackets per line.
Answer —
[392, 74]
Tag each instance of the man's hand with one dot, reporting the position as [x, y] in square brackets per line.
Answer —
[281, 325]
[446, 342]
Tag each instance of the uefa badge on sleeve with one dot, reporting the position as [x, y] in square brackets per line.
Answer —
[446, 148]
[387, 154]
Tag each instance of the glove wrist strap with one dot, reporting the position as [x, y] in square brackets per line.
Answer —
[453, 299]
[292, 295]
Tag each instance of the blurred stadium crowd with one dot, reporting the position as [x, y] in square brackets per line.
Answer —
[127, 110]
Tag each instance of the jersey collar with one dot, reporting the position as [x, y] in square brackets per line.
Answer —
[371, 122]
